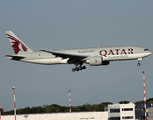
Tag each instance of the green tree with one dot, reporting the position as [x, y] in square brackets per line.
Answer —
[150, 100]
[124, 102]
[103, 105]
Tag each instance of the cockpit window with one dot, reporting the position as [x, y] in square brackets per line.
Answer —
[146, 49]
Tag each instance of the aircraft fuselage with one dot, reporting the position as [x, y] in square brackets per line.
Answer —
[107, 53]
[92, 56]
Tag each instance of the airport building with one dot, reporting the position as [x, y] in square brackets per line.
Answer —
[61, 116]
[117, 111]
[150, 113]
[139, 111]
[121, 111]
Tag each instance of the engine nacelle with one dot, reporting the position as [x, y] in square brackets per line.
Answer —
[97, 61]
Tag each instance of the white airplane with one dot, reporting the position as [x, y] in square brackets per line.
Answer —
[92, 56]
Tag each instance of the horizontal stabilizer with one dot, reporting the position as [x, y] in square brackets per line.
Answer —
[14, 57]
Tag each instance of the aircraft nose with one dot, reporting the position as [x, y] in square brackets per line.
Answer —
[149, 53]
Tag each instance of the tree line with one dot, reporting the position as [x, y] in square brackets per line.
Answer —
[54, 108]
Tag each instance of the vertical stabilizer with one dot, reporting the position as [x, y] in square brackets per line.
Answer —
[17, 45]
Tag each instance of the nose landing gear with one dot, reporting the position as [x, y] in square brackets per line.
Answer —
[138, 64]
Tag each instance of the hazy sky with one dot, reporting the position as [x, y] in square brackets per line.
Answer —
[66, 24]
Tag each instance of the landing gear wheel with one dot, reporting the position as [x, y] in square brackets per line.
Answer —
[73, 69]
[138, 64]
[77, 69]
[84, 67]
[80, 68]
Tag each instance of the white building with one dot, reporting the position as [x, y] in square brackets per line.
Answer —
[121, 111]
[150, 113]
[61, 116]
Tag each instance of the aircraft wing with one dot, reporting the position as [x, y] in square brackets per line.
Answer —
[72, 57]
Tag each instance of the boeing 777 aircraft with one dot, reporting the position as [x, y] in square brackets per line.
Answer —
[92, 56]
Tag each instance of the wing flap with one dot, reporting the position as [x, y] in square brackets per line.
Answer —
[65, 55]
[72, 57]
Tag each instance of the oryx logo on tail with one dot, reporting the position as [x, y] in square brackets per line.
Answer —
[17, 44]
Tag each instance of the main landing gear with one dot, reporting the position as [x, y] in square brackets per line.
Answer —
[78, 68]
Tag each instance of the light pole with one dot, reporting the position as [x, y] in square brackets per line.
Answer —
[69, 99]
[0, 111]
[0, 108]
[14, 100]
[144, 95]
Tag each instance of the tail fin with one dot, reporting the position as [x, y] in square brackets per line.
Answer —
[17, 45]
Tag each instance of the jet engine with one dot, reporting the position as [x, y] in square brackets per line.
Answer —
[97, 61]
